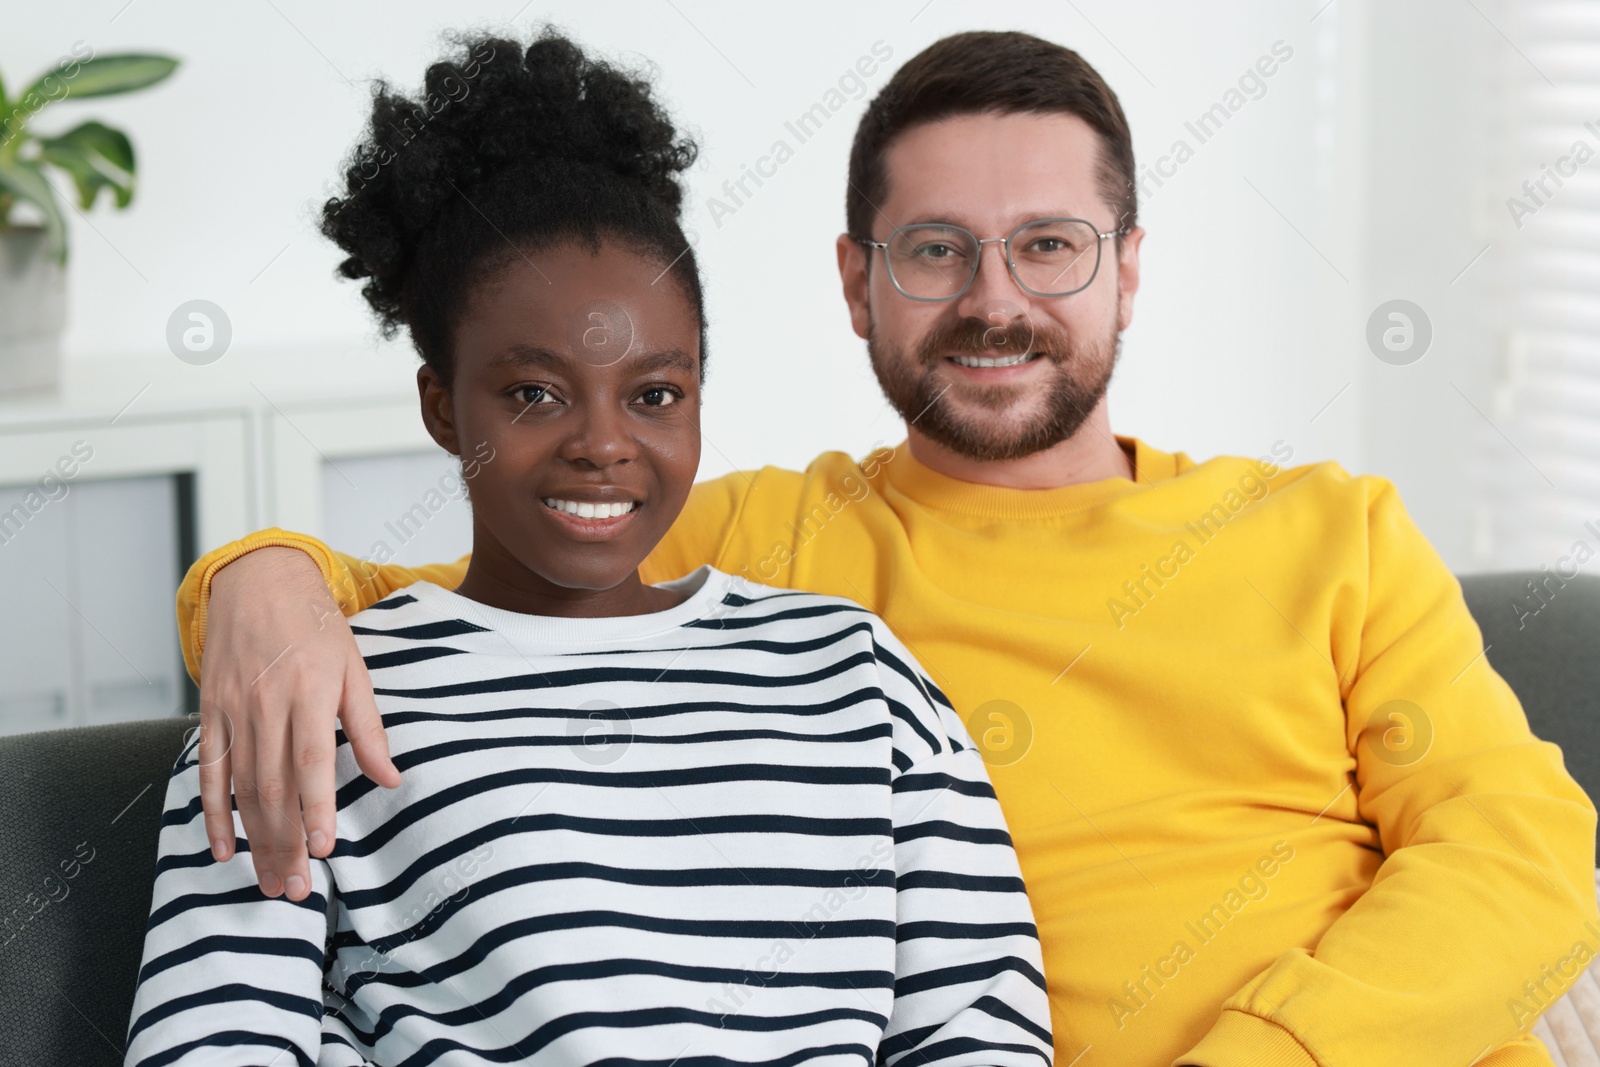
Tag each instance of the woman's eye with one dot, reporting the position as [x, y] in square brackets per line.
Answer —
[533, 394]
[658, 397]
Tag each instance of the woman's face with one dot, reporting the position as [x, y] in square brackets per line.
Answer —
[575, 409]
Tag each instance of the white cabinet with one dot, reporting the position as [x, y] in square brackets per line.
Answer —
[111, 487]
[89, 572]
[407, 507]
[368, 480]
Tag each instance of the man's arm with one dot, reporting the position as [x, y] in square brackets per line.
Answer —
[355, 584]
[224, 968]
[969, 979]
[271, 610]
[1488, 881]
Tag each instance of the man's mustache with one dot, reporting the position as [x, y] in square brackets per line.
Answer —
[976, 337]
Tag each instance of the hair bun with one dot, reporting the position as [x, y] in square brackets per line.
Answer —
[551, 101]
[508, 145]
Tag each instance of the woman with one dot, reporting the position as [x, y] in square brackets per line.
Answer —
[785, 850]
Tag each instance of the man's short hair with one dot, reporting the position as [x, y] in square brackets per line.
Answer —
[1000, 72]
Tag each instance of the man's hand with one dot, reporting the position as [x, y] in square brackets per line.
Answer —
[280, 665]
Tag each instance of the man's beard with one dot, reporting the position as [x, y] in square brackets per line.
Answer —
[1080, 372]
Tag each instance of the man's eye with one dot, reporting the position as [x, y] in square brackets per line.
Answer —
[658, 397]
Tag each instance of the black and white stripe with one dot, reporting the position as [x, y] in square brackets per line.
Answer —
[747, 830]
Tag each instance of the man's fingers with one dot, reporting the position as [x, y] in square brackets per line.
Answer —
[311, 739]
[279, 846]
[363, 725]
[242, 761]
[278, 668]
[216, 796]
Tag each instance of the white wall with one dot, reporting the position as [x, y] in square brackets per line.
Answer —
[1337, 188]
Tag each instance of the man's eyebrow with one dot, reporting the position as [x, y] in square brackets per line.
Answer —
[522, 355]
[957, 218]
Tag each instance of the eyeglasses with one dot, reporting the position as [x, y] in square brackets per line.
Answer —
[1047, 257]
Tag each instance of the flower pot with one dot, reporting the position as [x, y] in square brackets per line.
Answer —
[33, 311]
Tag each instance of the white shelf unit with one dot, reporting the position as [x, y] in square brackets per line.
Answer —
[181, 459]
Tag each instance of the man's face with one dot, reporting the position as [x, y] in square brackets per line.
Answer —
[990, 173]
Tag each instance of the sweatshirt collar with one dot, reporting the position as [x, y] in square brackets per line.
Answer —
[704, 589]
[928, 487]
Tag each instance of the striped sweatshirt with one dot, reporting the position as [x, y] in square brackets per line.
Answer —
[744, 830]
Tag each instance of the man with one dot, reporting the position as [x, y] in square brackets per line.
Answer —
[1272, 805]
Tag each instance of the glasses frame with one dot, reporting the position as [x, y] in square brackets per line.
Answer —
[1005, 243]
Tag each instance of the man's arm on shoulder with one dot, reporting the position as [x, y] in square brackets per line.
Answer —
[356, 584]
[697, 537]
[1488, 881]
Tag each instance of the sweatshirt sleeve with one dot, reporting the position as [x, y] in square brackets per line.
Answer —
[225, 967]
[1487, 885]
[356, 584]
[969, 979]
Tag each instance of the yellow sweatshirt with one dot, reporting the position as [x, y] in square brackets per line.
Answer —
[1272, 804]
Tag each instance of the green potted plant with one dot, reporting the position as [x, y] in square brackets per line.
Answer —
[33, 251]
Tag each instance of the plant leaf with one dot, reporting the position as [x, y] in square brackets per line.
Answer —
[98, 157]
[89, 173]
[105, 76]
[26, 181]
[97, 137]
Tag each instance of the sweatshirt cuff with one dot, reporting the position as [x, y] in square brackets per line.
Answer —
[197, 583]
[1240, 1039]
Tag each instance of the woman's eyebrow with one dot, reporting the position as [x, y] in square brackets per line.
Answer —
[525, 355]
[675, 358]
[521, 355]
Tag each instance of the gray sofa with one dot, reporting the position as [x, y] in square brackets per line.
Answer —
[91, 798]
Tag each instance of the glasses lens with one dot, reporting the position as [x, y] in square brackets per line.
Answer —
[932, 262]
[1054, 257]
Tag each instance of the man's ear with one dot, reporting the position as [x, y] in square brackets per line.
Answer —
[853, 276]
[437, 414]
[1128, 276]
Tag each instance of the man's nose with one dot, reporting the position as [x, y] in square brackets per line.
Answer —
[994, 290]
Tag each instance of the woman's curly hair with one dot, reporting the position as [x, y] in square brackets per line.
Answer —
[510, 149]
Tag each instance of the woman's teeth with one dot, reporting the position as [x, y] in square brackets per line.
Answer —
[985, 361]
[590, 511]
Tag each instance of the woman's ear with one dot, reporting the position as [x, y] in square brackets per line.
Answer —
[437, 414]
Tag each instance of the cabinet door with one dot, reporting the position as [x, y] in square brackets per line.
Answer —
[87, 633]
[126, 542]
[98, 520]
[368, 480]
[38, 654]
[408, 508]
